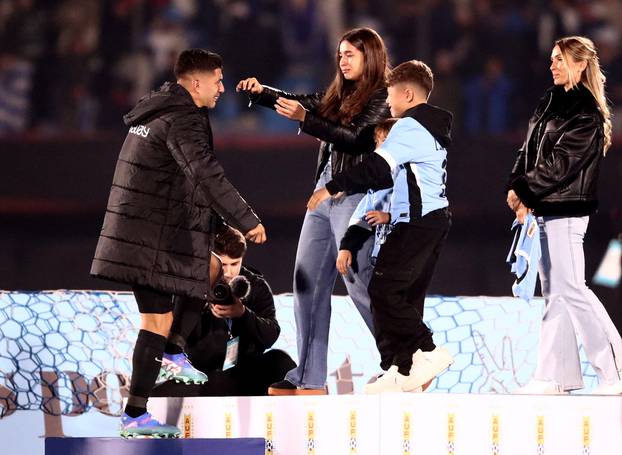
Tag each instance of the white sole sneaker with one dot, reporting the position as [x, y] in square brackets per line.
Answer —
[391, 381]
[608, 389]
[427, 366]
[539, 387]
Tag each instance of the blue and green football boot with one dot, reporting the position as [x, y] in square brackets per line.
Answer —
[177, 367]
[145, 426]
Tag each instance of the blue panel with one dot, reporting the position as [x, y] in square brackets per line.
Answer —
[119, 446]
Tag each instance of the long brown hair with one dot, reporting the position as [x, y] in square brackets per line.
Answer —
[345, 99]
[580, 49]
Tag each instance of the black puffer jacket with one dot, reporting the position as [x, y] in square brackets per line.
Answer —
[556, 170]
[166, 187]
[346, 146]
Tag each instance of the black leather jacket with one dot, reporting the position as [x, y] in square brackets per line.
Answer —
[556, 170]
[346, 146]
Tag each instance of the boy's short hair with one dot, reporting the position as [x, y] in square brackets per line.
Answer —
[230, 242]
[200, 60]
[415, 72]
[383, 128]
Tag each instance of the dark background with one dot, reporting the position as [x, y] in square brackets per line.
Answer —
[54, 197]
[69, 69]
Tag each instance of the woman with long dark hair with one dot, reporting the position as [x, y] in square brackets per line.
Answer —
[343, 118]
[556, 177]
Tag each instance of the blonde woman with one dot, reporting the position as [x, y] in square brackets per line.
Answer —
[556, 177]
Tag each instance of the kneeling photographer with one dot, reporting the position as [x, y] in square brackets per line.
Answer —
[229, 344]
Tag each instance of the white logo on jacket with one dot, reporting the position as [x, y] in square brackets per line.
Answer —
[140, 130]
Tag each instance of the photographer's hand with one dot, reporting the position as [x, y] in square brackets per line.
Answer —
[236, 310]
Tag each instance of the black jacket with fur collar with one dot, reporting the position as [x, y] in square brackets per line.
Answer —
[556, 170]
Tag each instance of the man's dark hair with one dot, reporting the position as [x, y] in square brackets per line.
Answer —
[230, 242]
[415, 72]
[192, 60]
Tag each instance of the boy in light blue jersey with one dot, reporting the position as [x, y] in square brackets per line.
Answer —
[412, 161]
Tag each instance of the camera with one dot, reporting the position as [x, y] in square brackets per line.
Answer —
[226, 293]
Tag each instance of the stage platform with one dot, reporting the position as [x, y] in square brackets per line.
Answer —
[65, 361]
[426, 423]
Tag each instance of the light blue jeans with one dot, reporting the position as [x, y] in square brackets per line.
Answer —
[571, 310]
[315, 273]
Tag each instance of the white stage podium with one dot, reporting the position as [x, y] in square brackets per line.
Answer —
[404, 424]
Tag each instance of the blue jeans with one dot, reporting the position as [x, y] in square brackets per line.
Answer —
[314, 278]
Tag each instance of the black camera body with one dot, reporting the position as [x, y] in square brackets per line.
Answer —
[226, 293]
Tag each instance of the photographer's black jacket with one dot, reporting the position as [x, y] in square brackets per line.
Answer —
[257, 328]
[346, 146]
[556, 169]
[167, 187]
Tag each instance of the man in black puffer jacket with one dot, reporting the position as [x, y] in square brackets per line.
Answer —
[168, 189]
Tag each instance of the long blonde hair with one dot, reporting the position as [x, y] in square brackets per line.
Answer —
[580, 49]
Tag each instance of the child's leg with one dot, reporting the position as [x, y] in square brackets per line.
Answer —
[403, 272]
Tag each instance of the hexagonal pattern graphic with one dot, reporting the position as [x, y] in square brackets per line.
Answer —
[66, 351]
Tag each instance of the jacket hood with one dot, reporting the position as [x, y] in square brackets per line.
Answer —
[170, 97]
[434, 119]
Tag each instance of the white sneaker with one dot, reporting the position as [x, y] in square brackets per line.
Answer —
[426, 366]
[608, 389]
[391, 381]
[538, 387]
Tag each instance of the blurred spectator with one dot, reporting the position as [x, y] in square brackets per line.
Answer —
[22, 43]
[165, 39]
[77, 22]
[250, 40]
[126, 71]
[78, 65]
[607, 42]
[15, 86]
[487, 98]
[448, 88]
[304, 38]
[558, 18]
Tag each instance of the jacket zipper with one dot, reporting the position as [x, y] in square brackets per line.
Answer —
[539, 148]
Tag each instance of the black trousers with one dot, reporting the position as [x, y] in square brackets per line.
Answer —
[404, 269]
[251, 377]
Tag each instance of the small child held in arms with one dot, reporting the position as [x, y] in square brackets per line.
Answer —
[373, 211]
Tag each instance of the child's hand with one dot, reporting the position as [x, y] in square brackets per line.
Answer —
[344, 260]
[376, 217]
